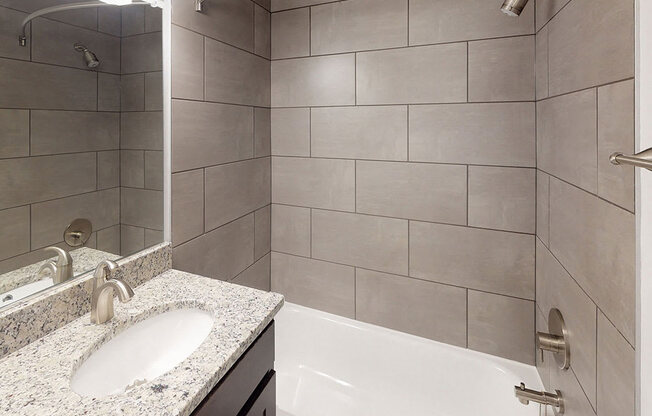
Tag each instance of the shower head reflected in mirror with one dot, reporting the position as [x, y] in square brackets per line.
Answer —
[89, 57]
[513, 7]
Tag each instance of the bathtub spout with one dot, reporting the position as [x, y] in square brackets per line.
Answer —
[525, 396]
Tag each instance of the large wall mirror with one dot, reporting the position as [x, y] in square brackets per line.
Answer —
[81, 138]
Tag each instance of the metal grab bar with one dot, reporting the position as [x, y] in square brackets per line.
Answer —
[642, 159]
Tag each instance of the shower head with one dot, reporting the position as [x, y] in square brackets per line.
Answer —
[89, 57]
[513, 7]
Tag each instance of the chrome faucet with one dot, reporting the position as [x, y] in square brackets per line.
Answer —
[555, 400]
[61, 270]
[104, 286]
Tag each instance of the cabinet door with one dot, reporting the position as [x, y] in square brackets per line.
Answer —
[265, 404]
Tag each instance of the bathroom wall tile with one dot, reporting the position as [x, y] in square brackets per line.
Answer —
[229, 21]
[291, 230]
[502, 326]
[132, 239]
[541, 64]
[10, 26]
[142, 53]
[49, 219]
[557, 289]
[133, 92]
[291, 33]
[294, 83]
[187, 64]
[267, 4]
[108, 169]
[187, 205]
[591, 43]
[55, 132]
[258, 275]
[154, 91]
[108, 239]
[236, 77]
[278, 5]
[290, 131]
[220, 254]
[361, 240]
[358, 25]
[317, 284]
[492, 261]
[317, 183]
[14, 223]
[263, 230]
[397, 77]
[567, 138]
[421, 308]
[141, 130]
[502, 198]
[52, 42]
[263, 32]
[598, 250]
[153, 237]
[142, 208]
[132, 168]
[616, 134]
[28, 180]
[153, 19]
[487, 134]
[32, 85]
[109, 20]
[133, 20]
[438, 21]
[154, 170]
[360, 132]
[235, 189]
[262, 132]
[108, 92]
[14, 133]
[205, 134]
[546, 9]
[543, 207]
[491, 60]
[416, 191]
[575, 401]
[616, 371]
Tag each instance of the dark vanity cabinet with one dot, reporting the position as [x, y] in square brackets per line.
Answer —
[249, 388]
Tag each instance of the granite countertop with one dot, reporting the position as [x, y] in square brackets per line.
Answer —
[36, 378]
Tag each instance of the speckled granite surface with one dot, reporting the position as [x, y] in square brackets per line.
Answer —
[28, 320]
[83, 260]
[36, 377]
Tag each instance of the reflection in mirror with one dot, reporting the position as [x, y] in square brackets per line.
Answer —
[81, 139]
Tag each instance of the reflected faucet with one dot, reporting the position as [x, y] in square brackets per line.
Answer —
[104, 286]
[555, 400]
[61, 270]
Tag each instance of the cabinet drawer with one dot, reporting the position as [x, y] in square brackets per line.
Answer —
[263, 403]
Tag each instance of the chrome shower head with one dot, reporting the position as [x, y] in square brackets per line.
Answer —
[89, 57]
[513, 7]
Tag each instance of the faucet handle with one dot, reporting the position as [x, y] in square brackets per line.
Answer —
[63, 257]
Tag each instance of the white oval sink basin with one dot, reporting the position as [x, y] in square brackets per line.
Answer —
[142, 352]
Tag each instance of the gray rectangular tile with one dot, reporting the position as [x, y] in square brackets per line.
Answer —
[291, 230]
[132, 239]
[416, 191]
[108, 239]
[502, 198]
[15, 224]
[235, 76]
[132, 97]
[291, 34]
[397, 76]
[567, 138]
[360, 132]
[142, 53]
[55, 132]
[598, 250]
[358, 25]
[108, 169]
[361, 240]
[133, 20]
[141, 208]
[10, 25]
[132, 168]
[262, 132]
[109, 20]
[575, 401]
[294, 83]
[187, 64]
[541, 63]
[262, 32]
[235, 189]
[34, 179]
[221, 254]
[258, 275]
[108, 92]
[317, 183]
[502, 326]
[438, 21]
[263, 230]
[205, 134]
[153, 19]
[492, 261]
[267, 4]
[187, 205]
[278, 5]
[421, 308]
[543, 206]
[153, 237]
[154, 169]
[141, 130]
[546, 9]
[14, 133]
[154, 91]
[290, 131]
[317, 284]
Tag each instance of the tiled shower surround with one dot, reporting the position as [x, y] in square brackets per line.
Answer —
[62, 130]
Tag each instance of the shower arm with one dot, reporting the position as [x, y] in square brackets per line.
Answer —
[22, 38]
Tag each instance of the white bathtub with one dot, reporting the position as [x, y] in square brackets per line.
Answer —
[332, 366]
